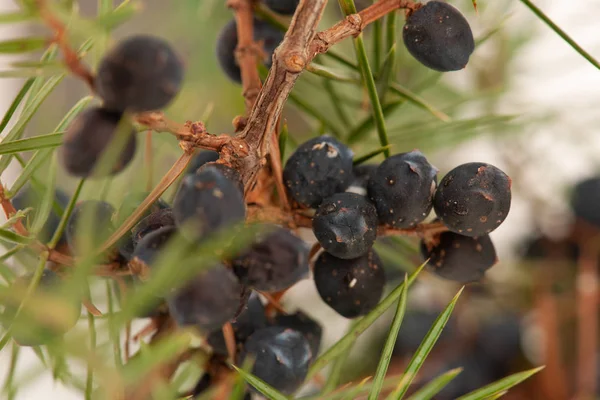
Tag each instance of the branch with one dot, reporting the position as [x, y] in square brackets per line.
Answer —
[247, 52]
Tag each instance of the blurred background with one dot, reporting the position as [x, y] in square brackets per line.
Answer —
[526, 103]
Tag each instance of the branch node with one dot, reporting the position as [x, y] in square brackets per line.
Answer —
[295, 63]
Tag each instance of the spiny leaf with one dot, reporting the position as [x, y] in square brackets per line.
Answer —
[363, 61]
[422, 352]
[418, 101]
[435, 386]
[540, 14]
[500, 386]
[371, 154]
[45, 206]
[260, 385]
[33, 143]
[15, 17]
[332, 74]
[362, 129]
[386, 354]
[11, 237]
[283, 137]
[346, 342]
[22, 45]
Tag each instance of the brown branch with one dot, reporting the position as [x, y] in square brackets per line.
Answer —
[248, 53]
[71, 58]
[354, 24]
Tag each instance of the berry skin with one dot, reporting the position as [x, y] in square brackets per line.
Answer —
[318, 168]
[251, 319]
[351, 287]
[362, 173]
[151, 244]
[229, 173]
[402, 189]
[131, 202]
[282, 356]
[207, 201]
[227, 42]
[460, 258]
[89, 135]
[201, 158]
[156, 220]
[345, 225]
[142, 73]
[275, 261]
[27, 197]
[95, 213]
[208, 301]
[473, 199]
[283, 7]
[29, 330]
[302, 323]
[439, 37]
[585, 200]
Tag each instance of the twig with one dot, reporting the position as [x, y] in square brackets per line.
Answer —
[229, 336]
[247, 53]
[60, 38]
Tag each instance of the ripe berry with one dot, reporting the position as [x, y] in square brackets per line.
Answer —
[89, 225]
[156, 220]
[318, 169]
[460, 258]
[439, 37]
[131, 202]
[264, 33]
[142, 73]
[89, 135]
[282, 357]
[152, 243]
[350, 287]
[208, 301]
[302, 323]
[362, 173]
[345, 225]
[151, 309]
[283, 7]
[250, 320]
[201, 158]
[473, 199]
[28, 328]
[402, 189]
[585, 200]
[27, 197]
[276, 261]
[229, 173]
[207, 201]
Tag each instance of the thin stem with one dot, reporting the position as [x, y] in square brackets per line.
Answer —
[540, 14]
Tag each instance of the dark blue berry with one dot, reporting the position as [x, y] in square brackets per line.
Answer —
[245, 324]
[156, 220]
[473, 199]
[207, 201]
[283, 7]
[282, 357]
[142, 73]
[459, 258]
[28, 329]
[302, 323]
[402, 189]
[152, 243]
[345, 225]
[229, 173]
[276, 261]
[439, 37]
[227, 41]
[208, 300]
[351, 287]
[89, 225]
[89, 136]
[318, 169]
[201, 158]
[28, 197]
[585, 200]
[156, 307]
[131, 202]
[362, 173]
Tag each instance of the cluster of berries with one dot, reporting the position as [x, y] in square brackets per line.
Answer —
[142, 73]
